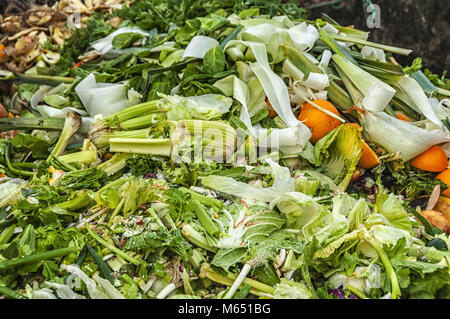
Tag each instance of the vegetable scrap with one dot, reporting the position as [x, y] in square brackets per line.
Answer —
[207, 150]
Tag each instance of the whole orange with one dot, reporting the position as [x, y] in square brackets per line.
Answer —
[319, 122]
[432, 160]
[444, 176]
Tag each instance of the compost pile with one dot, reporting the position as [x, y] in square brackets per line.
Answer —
[198, 149]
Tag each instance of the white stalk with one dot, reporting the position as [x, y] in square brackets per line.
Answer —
[166, 291]
[237, 283]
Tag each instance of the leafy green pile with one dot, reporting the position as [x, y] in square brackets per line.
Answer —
[203, 183]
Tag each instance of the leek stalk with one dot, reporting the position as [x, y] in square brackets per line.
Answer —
[372, 44]
[258, 288]
[44, 79]
[31, 123]
[71, 125]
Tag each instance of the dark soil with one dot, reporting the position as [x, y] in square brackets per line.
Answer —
[423, 26]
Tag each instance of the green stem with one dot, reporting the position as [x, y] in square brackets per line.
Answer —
[237, 283]
[112, 248]
[372, 44]
[357, 292]
[11, 168]
[10, 293]
[231, 36]
[116, 211]
[129, 280]
[36, 257]
[44, 79]
[196, 238]
[258, 288]
[7, 234]
[24, 165]
[387, 265]
[156, 218]
[102, 265]
[28, 123]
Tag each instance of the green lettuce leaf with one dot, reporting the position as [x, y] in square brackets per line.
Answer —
[338, 153]
[288, 289]
[391, 207]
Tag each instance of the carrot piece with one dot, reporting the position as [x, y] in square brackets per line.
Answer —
[402, 117]
[76, 65]
[272, 113]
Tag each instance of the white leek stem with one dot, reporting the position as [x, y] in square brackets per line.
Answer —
[148, 285]
[166, 291]
[237, 283]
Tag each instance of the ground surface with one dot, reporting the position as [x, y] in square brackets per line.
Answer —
[423, 26]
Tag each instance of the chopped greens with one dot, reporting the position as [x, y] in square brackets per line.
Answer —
[171, 155]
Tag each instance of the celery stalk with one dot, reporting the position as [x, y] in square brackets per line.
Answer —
[101, 137]
[114, 164]
[196, 238]
[143, 121]
[129, 113]
[141, 146]
[205, 218]
[80, 201]
[205, 200]
[79, 157]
